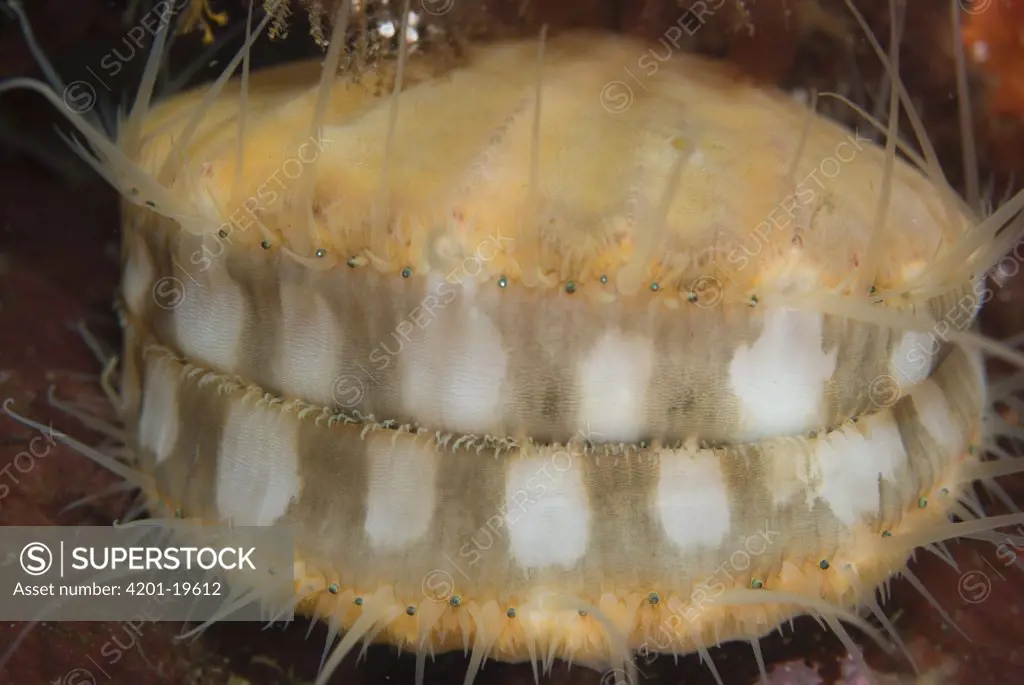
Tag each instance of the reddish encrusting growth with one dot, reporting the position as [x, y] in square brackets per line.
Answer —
[993, 34]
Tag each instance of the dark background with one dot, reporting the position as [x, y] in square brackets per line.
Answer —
[59, 245]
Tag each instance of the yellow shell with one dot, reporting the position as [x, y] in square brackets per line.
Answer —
[506, 264]
[545, 362]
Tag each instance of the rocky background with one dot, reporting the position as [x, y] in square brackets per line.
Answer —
[59, 239]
